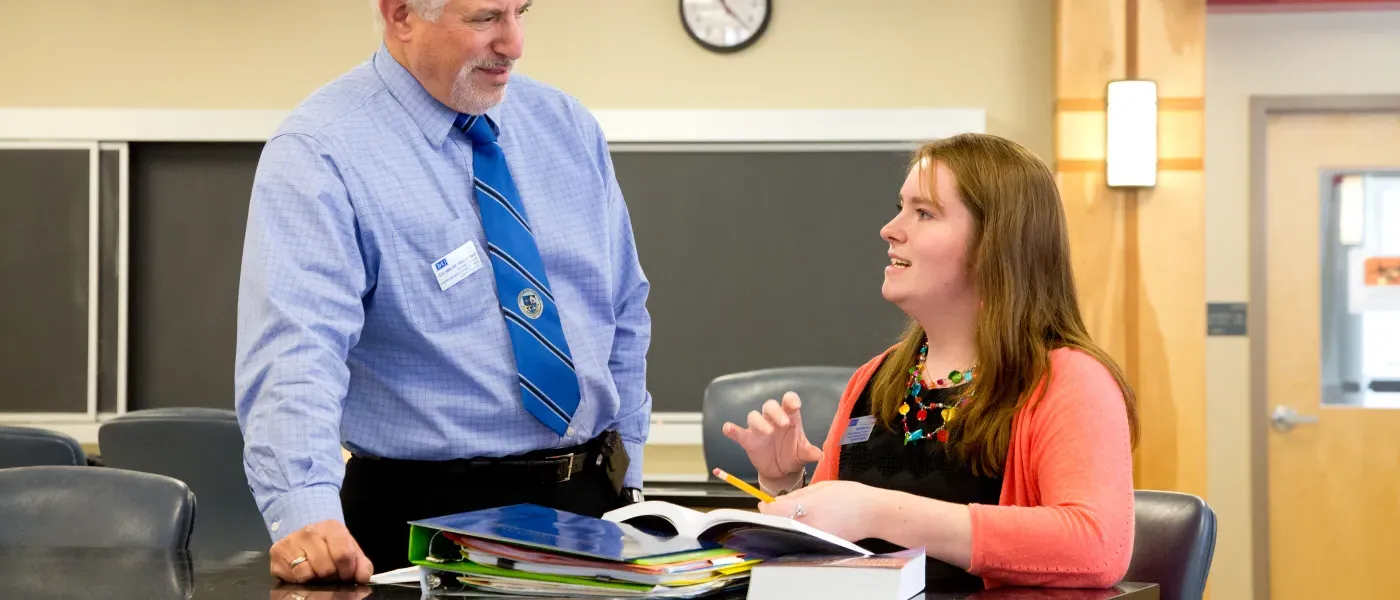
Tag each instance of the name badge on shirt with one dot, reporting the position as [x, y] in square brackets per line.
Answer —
[457, 265]
[858, 430]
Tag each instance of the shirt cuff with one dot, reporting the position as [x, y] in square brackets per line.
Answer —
[301, 507]
[633, 479]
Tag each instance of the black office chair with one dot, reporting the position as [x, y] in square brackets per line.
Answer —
[31, 447]
[1173, 544]
[202, 447]
[731, 397]
[92, 507]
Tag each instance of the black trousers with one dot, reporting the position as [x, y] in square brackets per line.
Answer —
[380, 496]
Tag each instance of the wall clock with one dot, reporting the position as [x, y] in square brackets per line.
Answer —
[725, 25]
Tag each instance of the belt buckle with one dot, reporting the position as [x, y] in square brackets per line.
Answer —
[569, 471]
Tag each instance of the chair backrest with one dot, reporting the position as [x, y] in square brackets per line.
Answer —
[30, 447]
[1173, 544]
[93, 507]
[731, 397]
[202, 447]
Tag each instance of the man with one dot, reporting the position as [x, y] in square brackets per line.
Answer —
[442, 278]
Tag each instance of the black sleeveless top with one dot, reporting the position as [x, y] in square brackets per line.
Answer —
[922, 468]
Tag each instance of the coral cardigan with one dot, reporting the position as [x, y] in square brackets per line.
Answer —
[1065, 517]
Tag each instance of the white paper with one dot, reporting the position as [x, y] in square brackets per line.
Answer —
[404, 575]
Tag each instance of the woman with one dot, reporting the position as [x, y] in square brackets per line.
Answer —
[995, 434]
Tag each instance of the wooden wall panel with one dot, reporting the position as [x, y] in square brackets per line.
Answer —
[1095, 216]
[1182, 137]
[1171, 321]
[1089, 45]
[1171, 252]
[1171, 46]
[1139, 255]
[1082, 134]
[1089, 38]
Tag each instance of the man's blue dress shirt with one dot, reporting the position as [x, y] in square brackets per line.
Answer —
[344, 335]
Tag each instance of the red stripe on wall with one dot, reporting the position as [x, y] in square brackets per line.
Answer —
[1299, 5]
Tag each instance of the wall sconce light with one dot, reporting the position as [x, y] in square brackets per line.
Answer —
[1131, 157]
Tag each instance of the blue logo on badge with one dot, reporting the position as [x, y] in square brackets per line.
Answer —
[437, 266]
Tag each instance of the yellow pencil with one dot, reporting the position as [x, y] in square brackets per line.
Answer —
[739, 483]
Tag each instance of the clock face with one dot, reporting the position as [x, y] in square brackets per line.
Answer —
[725, 25]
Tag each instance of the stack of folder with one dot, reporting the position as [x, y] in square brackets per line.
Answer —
[526, 549]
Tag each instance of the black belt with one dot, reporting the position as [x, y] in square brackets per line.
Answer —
[550, 469]
[547, 466]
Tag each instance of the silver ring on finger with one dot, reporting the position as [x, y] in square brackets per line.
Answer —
[297, 561]
[799, 512]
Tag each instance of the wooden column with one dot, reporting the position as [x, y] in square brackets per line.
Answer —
[1139, 255]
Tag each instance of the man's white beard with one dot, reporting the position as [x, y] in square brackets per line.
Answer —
[471, 99]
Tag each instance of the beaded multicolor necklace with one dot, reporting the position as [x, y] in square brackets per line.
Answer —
[914, 395]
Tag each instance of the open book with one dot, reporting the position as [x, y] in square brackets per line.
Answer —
[755, 534]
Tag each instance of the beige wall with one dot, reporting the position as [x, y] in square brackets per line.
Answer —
[1246, 55]
[994, 54]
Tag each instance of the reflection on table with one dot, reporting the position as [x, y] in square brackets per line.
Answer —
[74, 573]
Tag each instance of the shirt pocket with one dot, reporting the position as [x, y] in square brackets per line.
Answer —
[429, 307]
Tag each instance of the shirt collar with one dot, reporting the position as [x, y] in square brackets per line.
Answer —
[433, 117]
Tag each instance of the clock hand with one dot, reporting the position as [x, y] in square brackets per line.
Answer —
[725, 4]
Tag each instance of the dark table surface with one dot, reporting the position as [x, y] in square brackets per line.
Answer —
[96, 574]
[700, 495]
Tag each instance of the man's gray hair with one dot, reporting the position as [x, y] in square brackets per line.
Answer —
[428, 9]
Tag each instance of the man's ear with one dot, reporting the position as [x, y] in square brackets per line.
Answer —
[398, 19]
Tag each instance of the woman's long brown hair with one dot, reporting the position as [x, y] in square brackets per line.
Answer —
[1019, 257]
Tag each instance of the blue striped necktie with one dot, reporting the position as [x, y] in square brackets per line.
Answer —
[548, 385]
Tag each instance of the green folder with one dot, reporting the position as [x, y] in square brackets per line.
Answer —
[427, 548]
[467, 567]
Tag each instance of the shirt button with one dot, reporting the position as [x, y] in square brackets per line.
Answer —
[569, 432]
[276, 525]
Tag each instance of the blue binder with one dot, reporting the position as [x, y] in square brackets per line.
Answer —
[551, 530]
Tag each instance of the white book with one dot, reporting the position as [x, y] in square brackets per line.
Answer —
[756, 534]
[894, 576]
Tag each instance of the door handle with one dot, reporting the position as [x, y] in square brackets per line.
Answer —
[1285, 419]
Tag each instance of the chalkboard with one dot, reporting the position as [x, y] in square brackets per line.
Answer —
[757, 259]
[44, 205]
[760, 259]
[189, 207]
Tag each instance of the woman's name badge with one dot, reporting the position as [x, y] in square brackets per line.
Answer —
[858, 430]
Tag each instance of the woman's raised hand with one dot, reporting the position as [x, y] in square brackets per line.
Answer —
[774, 439]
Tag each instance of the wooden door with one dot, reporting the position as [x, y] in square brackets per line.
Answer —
[1334, 483]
